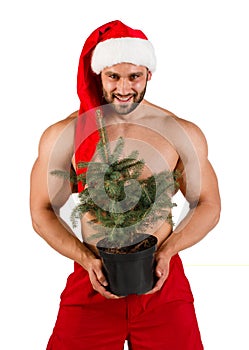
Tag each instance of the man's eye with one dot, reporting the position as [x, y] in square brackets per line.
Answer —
[113, 76]
[134, 76]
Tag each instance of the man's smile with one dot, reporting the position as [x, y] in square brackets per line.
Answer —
[123, 99]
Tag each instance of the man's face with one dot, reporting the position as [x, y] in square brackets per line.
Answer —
[124, 86]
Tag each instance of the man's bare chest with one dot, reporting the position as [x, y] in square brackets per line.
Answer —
[154, 148]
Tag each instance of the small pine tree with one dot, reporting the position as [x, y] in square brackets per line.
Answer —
[121, 204]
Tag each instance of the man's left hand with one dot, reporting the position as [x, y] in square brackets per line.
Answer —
[161, 270]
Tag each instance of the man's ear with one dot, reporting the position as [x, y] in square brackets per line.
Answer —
[149, 75]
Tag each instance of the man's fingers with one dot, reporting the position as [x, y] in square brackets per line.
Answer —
[97, 271]
[101, 290]
[159, 272]
[162, 267]
[99, 281]
[101, 278]
[157, 286]
[162, 272]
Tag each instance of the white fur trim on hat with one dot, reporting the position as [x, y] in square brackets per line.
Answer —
[123, 50]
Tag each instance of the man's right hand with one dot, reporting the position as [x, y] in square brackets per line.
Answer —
[99, 283]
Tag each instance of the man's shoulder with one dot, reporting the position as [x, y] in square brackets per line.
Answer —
[169, 115]
[157, 109]
[176, 125]
[64, 127]
[64, 122]
[60, 125]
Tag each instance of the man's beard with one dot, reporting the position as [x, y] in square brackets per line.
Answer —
[124, 108]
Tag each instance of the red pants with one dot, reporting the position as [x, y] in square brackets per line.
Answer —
[161, 321]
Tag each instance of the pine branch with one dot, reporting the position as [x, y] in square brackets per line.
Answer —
[66, 175]
[117, 151]
[104, 142]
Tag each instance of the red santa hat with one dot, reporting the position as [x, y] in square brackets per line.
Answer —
[110, 44]
[124, 45]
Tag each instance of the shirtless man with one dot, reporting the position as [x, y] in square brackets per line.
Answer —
[90, 317]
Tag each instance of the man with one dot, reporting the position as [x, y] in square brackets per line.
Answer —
[115, 65]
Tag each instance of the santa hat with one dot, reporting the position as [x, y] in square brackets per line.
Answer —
[110, 44]
[130, 46]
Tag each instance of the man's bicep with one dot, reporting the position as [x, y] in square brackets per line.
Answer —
[48, 189]
[209, 185]
[198, 182]
[189, 180]
[39, 198]
[193, 164]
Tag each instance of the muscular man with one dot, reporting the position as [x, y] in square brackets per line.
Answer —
[115, 65]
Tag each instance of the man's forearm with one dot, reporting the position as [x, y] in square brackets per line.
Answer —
[193, 228]
[59, 236]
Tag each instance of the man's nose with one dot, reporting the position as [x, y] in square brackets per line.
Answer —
[123, 86]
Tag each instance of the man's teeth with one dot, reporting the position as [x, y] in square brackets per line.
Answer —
[123, 99]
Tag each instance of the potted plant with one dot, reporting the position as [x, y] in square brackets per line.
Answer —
[123, 206]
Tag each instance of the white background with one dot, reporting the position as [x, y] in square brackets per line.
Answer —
[202, 75]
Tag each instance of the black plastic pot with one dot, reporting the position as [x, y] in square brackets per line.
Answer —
[130, 273]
